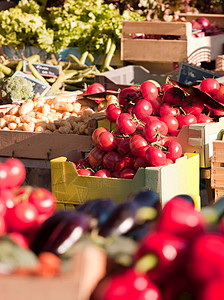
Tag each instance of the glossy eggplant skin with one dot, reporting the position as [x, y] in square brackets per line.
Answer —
[99, 209]
[146, 197]
[59, 232]
[121, 220]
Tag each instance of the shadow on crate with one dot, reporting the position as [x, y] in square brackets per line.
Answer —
[38, 178]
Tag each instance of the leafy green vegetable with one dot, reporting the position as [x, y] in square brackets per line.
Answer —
[86, 26]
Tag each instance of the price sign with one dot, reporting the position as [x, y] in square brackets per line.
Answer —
[189, 74]
[44, 69]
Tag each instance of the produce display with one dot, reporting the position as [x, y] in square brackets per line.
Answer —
[148, 248]
[66, 113]
[145, 246]
[146, 120]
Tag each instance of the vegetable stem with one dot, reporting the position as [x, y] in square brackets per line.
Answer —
[108, 57]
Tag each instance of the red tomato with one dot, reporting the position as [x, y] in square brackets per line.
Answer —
[167, 109]
[156, 105]
[220, 94]
[21, 217]
[166, 86]
[7, 197]
[140, 162]
[112, 112]
[123, 147]
[43, 200]
[142, 110]
[95, 157]
[173, 96]
[127, 173]
[138, 145]
[19, 239]
[4, 176]
[16, 173]
[186, 120]
[171, 122]
[129, 161]
[103, 173]
[95, 88]
[155, 157]
[106, 141]
[96, 134]
[210, 86]
[154, 130]
[193, 105]
[82, 163]
[168, 162]
[174, 149]
[116, 174]
[85, 172]
[113, 161]
[203, 118]
[127, 95]
[125, 124]
[149, 91]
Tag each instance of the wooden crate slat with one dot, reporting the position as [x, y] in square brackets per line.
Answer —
[33, 145]
[219, 193]
[157, 50]
[217, 165]
[182, 29]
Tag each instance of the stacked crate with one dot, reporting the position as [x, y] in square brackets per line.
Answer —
[217, 169]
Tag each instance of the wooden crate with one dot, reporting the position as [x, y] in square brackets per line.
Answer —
[186, 48]
[217, 168]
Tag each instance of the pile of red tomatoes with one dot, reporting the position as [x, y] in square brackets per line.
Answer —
[148, 119]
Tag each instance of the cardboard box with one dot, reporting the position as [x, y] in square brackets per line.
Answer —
[186, 48]
[199, 138]
[131, 75]
[71, 188]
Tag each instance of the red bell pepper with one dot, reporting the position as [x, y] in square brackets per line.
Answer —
[179, 217]
[206, 259]
[128, 284]
[213, 290]
[179, 287]
[160, 255]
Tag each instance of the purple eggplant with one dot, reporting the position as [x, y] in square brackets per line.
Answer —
[98, 209]
[121, 220]
[60, 231]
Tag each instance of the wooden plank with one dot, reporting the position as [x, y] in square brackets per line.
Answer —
[40, 145]
[182, 29]
[219, 193]
[153, 50]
